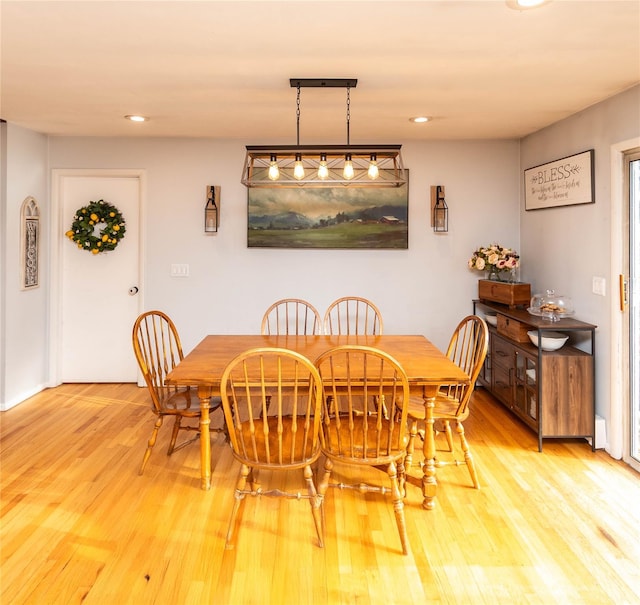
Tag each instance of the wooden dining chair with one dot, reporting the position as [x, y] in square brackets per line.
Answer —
[291, 316]
[356, 378]
[468, 350]
[281, 436]
[352, 315]
[157, 348]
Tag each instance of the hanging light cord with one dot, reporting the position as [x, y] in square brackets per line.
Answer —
[298, 116]
[348, 111]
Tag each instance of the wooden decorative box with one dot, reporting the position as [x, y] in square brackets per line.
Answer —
[504, 292]
[513, 329]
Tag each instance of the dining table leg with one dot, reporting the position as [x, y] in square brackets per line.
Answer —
[429, 483]
[204, 394]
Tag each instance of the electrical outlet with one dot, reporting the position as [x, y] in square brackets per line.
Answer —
[599, 286]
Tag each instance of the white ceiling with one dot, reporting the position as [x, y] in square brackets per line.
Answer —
[222, 69]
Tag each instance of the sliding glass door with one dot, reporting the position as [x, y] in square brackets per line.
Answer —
[632, 185]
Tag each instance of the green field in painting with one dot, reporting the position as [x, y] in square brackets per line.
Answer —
[347, 235]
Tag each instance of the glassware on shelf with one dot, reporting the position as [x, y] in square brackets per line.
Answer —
[551, 306]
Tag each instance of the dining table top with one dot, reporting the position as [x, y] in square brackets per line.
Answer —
[423, 362]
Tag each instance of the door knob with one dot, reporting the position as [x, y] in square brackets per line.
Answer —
[133, 290]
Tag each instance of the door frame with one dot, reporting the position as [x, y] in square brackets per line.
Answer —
[617, 439]
[57, 239]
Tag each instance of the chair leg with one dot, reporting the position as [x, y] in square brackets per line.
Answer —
[402, 478]
[174, 435]
[413, 433]
[237, 500]
[151, 443]
[316, 504]
[268, 399]
[254, 479]
[398, 507]
[323, 485]
[468, 458]
[331, 405]
[447, 434]
[381, 405]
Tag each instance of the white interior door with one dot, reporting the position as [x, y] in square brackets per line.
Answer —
[99, 298]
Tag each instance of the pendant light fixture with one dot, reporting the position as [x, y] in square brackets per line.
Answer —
[323, 165]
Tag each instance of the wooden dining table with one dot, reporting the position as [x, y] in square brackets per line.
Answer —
[427, 368]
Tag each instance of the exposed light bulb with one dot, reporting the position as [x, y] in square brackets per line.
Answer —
[373, 171]
[348, 173]
[323, 170]
[274, 171]
[298, 168]
[439, 219]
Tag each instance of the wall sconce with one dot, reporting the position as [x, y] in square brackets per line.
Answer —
[439, 210]
[211, 209]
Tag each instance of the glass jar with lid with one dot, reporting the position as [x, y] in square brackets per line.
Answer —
[551, 306]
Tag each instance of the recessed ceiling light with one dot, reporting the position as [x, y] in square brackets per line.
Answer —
[526, 4]
[135, 118]
[420, 119]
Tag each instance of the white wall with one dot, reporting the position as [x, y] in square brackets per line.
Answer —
[23, 336]
[425, 289]
[564, 248]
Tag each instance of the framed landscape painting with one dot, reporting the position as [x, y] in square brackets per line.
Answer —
[328, 217]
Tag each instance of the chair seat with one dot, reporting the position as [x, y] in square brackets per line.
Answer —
[186, 402]
[444, 408]
[347, 443]
[288, 438]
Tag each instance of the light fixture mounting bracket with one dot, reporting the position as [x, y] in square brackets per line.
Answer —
[323, 82]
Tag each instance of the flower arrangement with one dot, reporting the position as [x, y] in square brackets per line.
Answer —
[494, 259]
[97, 227]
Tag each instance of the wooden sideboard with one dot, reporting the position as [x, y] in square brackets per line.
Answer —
[552, 392]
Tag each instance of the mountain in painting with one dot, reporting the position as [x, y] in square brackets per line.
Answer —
[285, 220]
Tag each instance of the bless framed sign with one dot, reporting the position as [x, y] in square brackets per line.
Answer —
[563, 182]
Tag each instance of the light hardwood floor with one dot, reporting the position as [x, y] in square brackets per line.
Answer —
[79, 525]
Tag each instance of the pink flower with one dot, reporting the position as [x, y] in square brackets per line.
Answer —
[495, 257]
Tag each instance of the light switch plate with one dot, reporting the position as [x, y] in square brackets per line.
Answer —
[599, 286]
[179, 270]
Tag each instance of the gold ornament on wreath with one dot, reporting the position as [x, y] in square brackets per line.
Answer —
[97, 227]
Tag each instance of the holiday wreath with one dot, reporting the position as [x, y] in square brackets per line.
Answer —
[97, 227]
